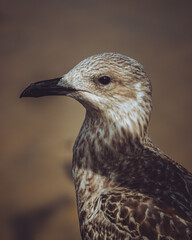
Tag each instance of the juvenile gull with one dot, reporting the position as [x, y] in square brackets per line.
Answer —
[126, 187]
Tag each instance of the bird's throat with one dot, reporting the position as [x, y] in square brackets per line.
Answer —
[100, 138]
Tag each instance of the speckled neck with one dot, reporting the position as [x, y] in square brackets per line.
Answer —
[102, 137]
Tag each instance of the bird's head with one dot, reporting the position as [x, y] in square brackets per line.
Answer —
[108, 83]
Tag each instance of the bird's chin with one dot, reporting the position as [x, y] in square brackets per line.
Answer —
[47, 88]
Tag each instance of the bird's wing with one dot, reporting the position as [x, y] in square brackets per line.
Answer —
[181, 187]
[137, 215]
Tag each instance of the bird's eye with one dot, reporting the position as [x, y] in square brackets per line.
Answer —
[104, 80]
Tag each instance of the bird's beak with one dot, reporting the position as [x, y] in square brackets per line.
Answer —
[46, 88]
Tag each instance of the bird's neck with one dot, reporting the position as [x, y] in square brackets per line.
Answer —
[99, 147]
[104, 136]
[115, 128]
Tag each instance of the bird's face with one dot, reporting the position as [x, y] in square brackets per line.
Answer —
[100, 82]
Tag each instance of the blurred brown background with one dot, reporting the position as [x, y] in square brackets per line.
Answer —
[45, 39]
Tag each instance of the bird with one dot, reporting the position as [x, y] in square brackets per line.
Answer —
[126, 187]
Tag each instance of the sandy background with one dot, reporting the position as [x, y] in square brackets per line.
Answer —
[45, 39]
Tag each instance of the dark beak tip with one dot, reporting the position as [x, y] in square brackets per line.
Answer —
[26, 92]
[22, 95]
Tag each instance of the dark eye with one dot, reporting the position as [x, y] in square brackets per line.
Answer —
[104, 80]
